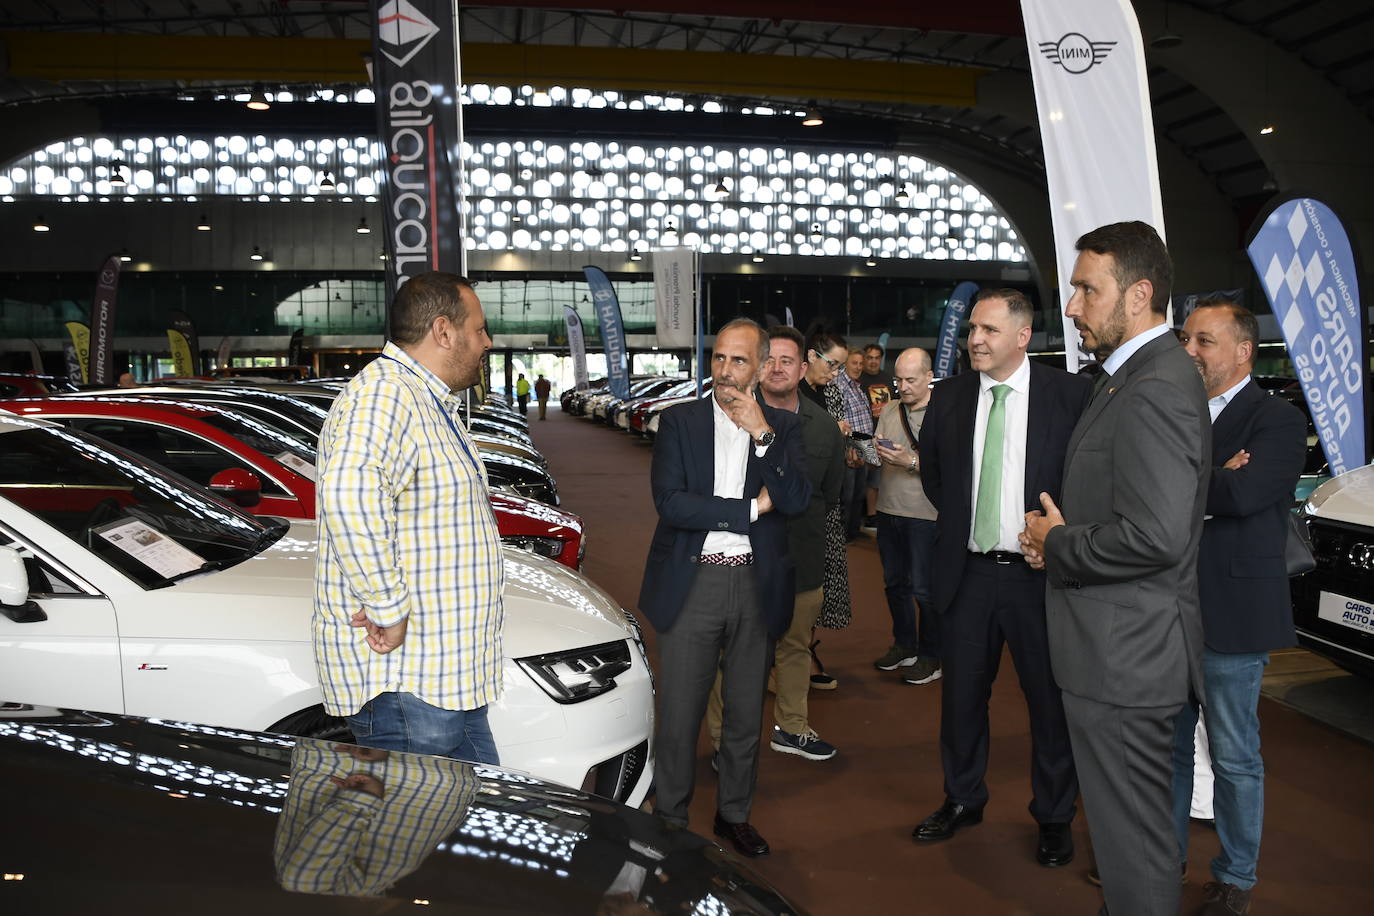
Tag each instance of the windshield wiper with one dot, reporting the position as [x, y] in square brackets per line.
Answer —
[276, 527]
[207, 566]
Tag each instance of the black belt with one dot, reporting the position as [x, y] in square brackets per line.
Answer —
[1000, 557]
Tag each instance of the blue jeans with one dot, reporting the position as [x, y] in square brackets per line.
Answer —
[906, 547]
[404, 722]
[1232, 687]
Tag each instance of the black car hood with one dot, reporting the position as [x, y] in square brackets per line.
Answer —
[119, 814]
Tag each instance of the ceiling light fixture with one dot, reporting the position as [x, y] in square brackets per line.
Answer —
[326, 182]
[541, 97]
[813, 118]
[904, 193]
[117, 177]
[635, 255]
[871, 262]
[256, 255]
[757, 258]
[362, 227]
[721, 190]
[125, 256]
[40, 225]
[1266, 130]
[203, 225]
[257, 101]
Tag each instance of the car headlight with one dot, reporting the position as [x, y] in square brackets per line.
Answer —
[578, 674]
[544, 546]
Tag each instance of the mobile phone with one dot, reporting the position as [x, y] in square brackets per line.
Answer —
[887, 443]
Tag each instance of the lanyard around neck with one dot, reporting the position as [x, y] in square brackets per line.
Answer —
[439, 405]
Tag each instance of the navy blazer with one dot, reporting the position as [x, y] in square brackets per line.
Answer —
[683, 479]
[1056, 400]
[1242, 579]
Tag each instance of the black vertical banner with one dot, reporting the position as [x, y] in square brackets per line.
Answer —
[420, 122]
[295, 349]
[102, 323]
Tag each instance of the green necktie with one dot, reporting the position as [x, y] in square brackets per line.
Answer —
[987, 518]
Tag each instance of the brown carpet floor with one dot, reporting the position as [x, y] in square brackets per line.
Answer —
[840, 829]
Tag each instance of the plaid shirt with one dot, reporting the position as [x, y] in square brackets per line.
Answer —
[856, 408]
[332, 840]
[406, 532]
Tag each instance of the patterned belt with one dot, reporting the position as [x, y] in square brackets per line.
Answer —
[720, 559]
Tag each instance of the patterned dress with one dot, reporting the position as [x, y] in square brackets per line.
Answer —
[835, 611]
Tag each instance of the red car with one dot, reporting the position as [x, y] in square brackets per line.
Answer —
[23, 384]
[264, 470]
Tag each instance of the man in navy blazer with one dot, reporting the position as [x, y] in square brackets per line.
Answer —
[985, 592]
[718, 584]
[1242, 586]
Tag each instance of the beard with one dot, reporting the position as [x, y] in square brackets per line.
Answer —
[1112, 332]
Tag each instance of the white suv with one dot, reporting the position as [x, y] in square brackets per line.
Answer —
[123, 588]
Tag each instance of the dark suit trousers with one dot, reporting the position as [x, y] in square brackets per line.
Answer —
[1124, 761]
[720, 628]
[999, 603]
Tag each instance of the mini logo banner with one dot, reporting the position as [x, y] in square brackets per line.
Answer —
[675, 297]
[577, 346]
[1308, 270]
[1093, 102]
[1075, 52]
[181, 337]
[415, 78]
[102, 320]
[612, 331]
[947, 346]
[226, 344]
[78, 352]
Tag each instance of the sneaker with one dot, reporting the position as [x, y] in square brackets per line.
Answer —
[808, 744]
[870, 523]
[923, 672]
[896, 657]
[823, 682]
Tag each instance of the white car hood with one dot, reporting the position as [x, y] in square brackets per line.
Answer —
[271, 595]
[1348, 497]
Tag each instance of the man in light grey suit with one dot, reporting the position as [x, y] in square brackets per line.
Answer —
[1125, 628]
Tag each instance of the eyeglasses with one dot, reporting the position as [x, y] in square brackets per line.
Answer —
[832, 363]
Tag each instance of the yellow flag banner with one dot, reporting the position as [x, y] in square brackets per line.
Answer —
[183, 362]
[81, 347]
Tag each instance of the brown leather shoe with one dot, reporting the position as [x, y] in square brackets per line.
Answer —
[743, 837]
[1222, 899]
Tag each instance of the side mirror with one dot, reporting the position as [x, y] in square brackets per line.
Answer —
[14, 589]
[238, 485]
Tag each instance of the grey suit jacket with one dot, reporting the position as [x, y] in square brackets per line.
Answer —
[1121, 588]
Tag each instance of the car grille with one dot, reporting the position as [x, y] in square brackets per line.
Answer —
[1345, 566]
[617, 778]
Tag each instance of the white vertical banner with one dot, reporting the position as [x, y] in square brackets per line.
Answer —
[675, 297]
[1093, 99]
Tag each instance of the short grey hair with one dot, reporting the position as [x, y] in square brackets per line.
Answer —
[758, 330]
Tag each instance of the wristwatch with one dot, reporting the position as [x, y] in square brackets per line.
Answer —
[911, 468]
[765, 438]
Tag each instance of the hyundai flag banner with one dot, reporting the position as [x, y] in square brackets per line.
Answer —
[1307, 268]
[675, 297]
[1094, 106]
[102, 323]
[612, 331]
[947, 346]
[577, 346]
[415, 79]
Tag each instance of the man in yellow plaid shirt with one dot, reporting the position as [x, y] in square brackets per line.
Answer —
[408, 613]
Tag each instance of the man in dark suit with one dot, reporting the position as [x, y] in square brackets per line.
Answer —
[718, 584]
[993, 440]
[1121, 562]
[1243, 587]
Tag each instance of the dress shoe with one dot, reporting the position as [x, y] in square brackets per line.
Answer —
[1222, 899]
[743, 837]
[1056, 845]
[945, 822]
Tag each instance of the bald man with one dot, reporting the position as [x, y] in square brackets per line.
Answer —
[994, 440]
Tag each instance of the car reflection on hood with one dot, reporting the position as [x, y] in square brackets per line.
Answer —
[169, 817]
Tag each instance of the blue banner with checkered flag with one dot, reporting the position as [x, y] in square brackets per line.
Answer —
[1307, 268]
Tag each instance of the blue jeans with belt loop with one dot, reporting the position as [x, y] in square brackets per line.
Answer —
[403, 722]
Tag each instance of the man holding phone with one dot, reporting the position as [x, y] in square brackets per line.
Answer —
[906, 525]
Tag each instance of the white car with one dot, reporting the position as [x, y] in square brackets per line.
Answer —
[1333, 605]
[127, 590]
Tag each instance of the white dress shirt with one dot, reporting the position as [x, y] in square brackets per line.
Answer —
[1217, 404]
[1017, 407]
[732, 455]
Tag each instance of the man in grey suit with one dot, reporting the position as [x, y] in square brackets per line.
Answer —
[1125, 629]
